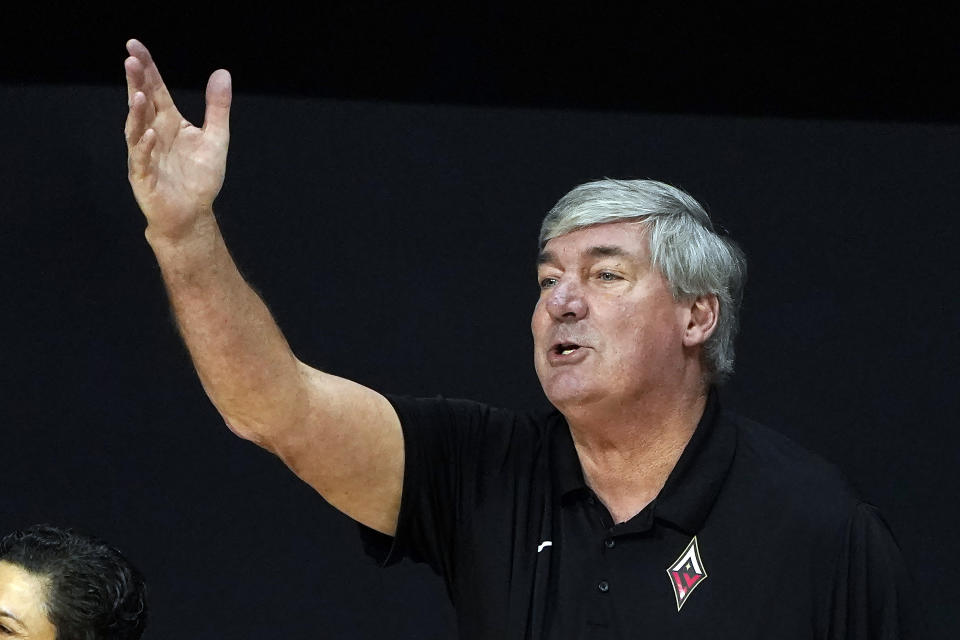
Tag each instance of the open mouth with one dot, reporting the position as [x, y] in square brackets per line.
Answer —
[565, 348]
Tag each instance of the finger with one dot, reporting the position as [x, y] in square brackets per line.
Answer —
[216, 118]
[139, 117]
[133, 69]
[149, 80]
[136, 83]
[139, 158]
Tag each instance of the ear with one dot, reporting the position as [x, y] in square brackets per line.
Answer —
[704, 313]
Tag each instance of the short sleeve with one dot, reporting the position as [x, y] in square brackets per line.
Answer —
[873, 597]
[450, 447]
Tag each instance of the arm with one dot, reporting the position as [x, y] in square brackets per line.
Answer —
[340, 437]
[874, 595]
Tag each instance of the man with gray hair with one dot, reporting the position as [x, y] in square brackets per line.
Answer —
[636, 507]
[684, 247]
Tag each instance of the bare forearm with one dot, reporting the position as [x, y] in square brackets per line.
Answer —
[242, 358]
[343, 439]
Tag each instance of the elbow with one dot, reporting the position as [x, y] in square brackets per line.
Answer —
[242, 431]
[273, 435]
[252, 433]
[269, 419]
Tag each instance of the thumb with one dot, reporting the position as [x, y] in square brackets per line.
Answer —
[216, 119]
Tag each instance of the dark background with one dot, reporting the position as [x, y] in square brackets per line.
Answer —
[388, 173]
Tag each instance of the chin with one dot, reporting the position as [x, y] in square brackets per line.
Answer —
[568, 395]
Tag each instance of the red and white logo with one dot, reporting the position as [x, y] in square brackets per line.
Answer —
[687, 573]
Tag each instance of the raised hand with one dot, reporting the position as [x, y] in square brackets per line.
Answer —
[176, 169]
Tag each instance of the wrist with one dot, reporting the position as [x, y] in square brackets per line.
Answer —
[201, 228]
[189, 252]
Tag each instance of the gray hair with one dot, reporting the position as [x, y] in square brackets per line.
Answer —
[684, 246]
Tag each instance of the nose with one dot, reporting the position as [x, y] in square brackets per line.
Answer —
[565, 302]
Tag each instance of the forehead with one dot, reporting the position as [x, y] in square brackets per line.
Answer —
[626, 239]
[21, 592]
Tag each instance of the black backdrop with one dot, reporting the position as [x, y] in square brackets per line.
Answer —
[394, 244]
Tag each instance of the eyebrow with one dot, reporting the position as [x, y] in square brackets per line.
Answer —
[545, 257]
[606, 250]
[601, 251]
[6, 614]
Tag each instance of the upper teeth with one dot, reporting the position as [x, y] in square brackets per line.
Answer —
[567, 350]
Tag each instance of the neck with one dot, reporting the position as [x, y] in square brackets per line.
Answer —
[628, 450]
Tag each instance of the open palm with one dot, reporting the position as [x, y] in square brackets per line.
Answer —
[175, 168]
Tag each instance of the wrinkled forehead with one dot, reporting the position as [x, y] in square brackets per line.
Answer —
[22, 594]
[626, 239]
[578, 218]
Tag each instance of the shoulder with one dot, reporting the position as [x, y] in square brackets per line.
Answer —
[468, 429]
[799, 485]
[442, 412]
[783, 505]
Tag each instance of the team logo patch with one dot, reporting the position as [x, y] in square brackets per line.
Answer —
[686, 573]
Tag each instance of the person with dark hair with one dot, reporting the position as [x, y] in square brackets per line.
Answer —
[56, 584]
[637, 507]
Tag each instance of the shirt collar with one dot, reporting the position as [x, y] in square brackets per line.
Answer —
[692, 486]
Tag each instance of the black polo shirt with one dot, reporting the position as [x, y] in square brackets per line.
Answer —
[750, 537]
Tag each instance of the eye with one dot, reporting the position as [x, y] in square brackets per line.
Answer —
[608, 276]
[546, 283]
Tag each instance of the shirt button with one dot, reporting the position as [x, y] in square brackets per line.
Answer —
[610, 543]
[603, 586]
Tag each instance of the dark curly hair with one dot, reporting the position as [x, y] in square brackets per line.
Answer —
[93, 592]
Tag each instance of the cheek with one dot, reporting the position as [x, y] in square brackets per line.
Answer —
[644, 335]
[538, 321]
